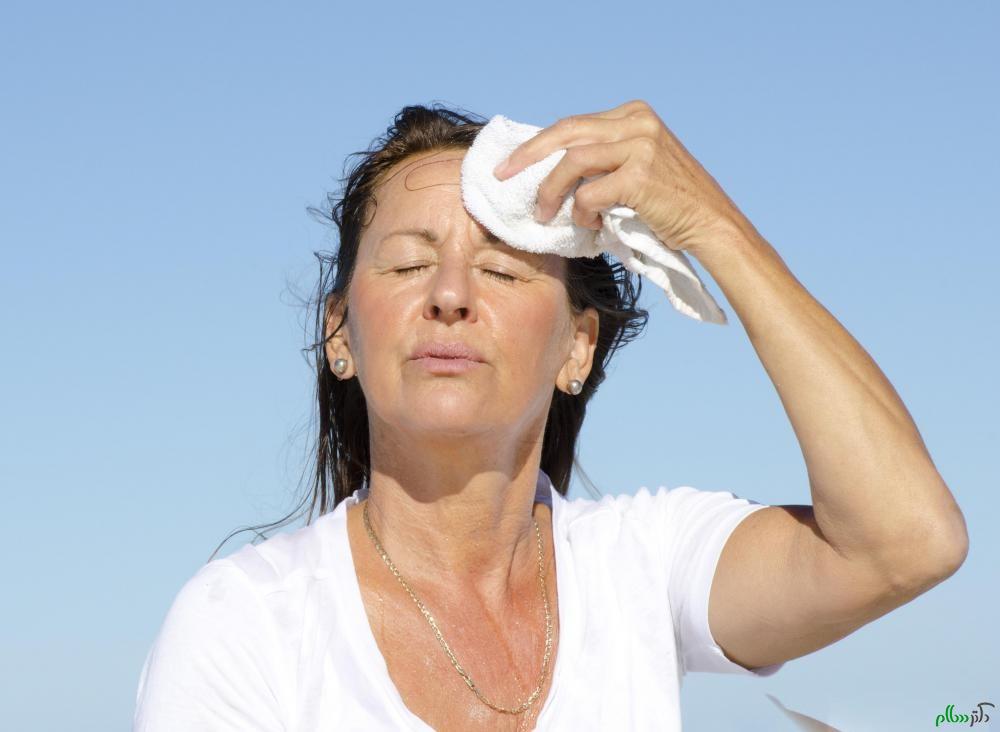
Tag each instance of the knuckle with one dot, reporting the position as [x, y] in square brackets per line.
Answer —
[651, 125]
[646, 147]
[649, 121]
[568, 124]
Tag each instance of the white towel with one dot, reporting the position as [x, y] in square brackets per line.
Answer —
[507, 207]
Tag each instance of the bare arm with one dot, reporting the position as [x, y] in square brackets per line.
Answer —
[883, 526]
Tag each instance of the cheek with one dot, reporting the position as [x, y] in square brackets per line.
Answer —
[536, 336]
[366, 309]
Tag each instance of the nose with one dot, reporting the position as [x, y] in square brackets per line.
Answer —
[452, 290]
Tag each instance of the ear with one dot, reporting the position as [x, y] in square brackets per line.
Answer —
[581, 358]
[336, 344]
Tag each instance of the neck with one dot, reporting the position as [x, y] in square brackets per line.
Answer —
[461, 517]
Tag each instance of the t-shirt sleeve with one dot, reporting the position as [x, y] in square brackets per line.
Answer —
[213, 664]
[698, 525]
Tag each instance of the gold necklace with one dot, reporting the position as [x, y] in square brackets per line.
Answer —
[454, 662]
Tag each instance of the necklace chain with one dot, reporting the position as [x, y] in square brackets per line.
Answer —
[454, 661]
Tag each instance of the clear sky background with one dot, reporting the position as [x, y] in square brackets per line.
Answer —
[157, 162]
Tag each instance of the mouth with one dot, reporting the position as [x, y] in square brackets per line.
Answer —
[446, 358]
[455, 350]
[446, 365]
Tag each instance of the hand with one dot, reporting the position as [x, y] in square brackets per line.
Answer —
[646, 167]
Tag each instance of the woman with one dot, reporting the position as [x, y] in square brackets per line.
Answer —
[449, 584]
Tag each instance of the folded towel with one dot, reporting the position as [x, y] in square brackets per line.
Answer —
[507, 207]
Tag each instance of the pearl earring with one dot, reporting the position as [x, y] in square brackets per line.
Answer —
[340, 365]
[575, 386]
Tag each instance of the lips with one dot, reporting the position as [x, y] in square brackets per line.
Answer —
[452, 350]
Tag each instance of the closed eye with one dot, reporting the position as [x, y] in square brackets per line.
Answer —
[500, 275]
[407, 270]
[496, 275]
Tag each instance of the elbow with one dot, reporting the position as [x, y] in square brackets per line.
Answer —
[923, 553]
[940, 539]
[952, 545]
[953, 554]
[933, 559]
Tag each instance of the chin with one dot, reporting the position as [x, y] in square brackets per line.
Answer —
[449, 411]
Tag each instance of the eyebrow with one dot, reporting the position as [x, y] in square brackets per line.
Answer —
[425, 234]
[535, 259]
[430, 236]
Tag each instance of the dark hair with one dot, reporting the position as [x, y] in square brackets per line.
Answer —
[342, 444]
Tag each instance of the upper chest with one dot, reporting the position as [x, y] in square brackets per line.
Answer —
[502, 649]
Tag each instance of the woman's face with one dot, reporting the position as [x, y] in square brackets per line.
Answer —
[426, 272]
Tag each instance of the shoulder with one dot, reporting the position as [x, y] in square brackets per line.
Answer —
[615, 523]
[217, 661]
[257, 583]
[671, 505]
[217, 598]
[248, 599]
[307, 553]
[661, 524]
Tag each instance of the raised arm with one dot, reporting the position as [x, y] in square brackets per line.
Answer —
[883, 526]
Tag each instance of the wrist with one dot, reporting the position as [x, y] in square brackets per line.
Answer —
[729, 238]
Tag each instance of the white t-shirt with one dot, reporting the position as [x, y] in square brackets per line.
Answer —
[275, 636]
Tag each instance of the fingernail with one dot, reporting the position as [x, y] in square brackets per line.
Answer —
[500, 169]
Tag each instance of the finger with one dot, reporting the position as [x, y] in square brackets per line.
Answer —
[621, 110]
[567, 132]
[632, 108]
[595, 196]
[578, 130]
[580, 161]
[624, 110]
[586, 219]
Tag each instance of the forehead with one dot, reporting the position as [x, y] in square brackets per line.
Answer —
[423, 194]
[426, 192]
[426, 179]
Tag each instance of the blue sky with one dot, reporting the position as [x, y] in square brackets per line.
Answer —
[157, 165]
